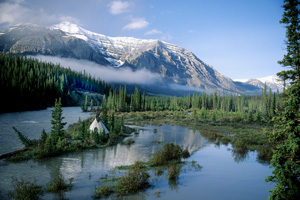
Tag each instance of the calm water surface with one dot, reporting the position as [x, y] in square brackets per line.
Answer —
[31, 123]
[221, 177]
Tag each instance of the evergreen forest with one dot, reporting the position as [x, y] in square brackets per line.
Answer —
[261, 108]
[29, 84]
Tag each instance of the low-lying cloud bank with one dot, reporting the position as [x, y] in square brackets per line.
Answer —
[106, 73]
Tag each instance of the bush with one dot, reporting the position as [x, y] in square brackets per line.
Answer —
[59, 184]
[185, 154]
[168, 153]
[134, 180]
[103, 191]
[25, 190]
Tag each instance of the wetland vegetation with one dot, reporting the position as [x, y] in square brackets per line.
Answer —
[137, 176]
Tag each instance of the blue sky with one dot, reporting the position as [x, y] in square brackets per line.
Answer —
[239, 38]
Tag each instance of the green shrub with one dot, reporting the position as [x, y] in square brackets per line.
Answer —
[168, 153]
[103, 191]
[137, 178]
[185, 153]
[158, 158]
[25, 190]
[59, 184]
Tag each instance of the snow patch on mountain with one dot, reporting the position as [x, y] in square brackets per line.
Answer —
[116, 46]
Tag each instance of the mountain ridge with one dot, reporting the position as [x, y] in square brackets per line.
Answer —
[272, 82]
[175, 64]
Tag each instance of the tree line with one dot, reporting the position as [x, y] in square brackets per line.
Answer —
[28, 84]
[259, 107]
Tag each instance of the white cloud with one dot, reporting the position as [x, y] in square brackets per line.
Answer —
[118, 7]
[107, 73]
[14, 12]
[136, 23]
[153, 32]
[167, 37]
[69, 19]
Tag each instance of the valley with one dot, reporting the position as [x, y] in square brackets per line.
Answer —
[126, 99]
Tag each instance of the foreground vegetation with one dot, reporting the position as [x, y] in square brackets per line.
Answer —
[26, 190]
[137, 176]
[286, 136]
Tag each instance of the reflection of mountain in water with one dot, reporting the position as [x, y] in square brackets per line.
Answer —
[146, 143]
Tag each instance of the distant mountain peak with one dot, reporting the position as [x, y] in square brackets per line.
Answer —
[272, 82]
[67, 27]
[175, 64]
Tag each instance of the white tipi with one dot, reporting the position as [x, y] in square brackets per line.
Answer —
[97, 123]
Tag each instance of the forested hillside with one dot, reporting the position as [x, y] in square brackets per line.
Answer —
[28, 84]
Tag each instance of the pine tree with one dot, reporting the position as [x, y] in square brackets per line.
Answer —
[24, 139]
[83, 130]
[84, 107]
[104, 114]
[57, 124]
[286, 155]
[43, 136]
[92, 106]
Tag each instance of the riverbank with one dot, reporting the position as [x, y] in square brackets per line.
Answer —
[244, 136]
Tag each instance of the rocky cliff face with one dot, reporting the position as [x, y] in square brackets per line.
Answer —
[30, 39]
[175, 64]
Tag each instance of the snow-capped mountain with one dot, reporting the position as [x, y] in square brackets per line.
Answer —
[175, 64]
[272, 82]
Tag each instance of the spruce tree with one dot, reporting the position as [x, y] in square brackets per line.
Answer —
[286, 155]
[57, 124]
[43, 136]
[104, 115]
[92, 106]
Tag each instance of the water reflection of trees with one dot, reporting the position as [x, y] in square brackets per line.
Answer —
[174, 185]
[240, 154]
[240, 146]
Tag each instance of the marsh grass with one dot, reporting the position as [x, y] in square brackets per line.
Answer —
[103, 191]
[25, 190]
[218, 127]
[137, 176]
[168, 153]
[60, 185]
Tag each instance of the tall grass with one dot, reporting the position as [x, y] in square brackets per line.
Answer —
[25, 190]
[135, 179]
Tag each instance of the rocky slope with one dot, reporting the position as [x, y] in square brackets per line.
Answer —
[173, 63]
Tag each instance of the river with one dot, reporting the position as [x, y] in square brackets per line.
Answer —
[221, 176]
